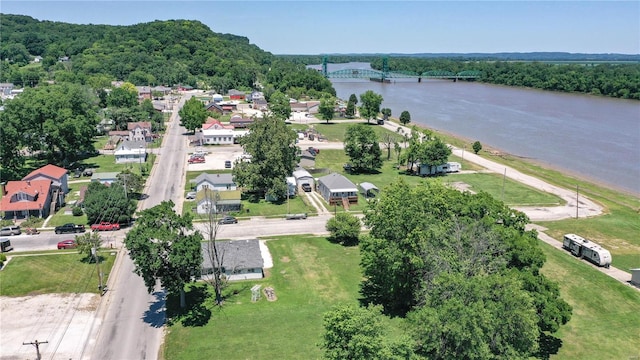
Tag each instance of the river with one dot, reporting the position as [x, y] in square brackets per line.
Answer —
[594, 138]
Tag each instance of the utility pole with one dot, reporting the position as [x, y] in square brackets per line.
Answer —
[37, 345]
[577, 202]
[94, 252]
[504, 178]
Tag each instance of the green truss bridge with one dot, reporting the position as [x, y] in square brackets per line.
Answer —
[386, 76]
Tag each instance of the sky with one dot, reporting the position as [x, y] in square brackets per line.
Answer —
[383, 26]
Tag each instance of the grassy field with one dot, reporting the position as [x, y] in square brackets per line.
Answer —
[606, 313]
[309, 276]
[62, 271]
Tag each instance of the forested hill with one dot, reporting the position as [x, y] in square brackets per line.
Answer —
[159, 52]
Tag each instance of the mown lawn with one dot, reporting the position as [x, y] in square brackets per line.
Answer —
[62, 271]
[309, 276]
[606, 313]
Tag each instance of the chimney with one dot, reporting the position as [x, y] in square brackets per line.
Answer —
[4, 188]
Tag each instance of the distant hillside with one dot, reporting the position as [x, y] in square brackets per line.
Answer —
[159, 52]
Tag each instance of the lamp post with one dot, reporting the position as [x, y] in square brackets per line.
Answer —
[463, 147]
[140, 157]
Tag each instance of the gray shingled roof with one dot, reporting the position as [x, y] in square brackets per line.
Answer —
[236, 254]
[224, 178]
[337, 182]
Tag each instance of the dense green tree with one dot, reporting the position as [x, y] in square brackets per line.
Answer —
[164, 247]
[362, 146]
[279, 106]
[358, 333]
[370, 104]
[405, 118]
[386, 113]
[353, 99]
[344, 228]
[123, 97]
[477, 146]
[327, 108]
[133, 183]
[57, 120]
[274, 155]
[107, 203]
[477, 317]
[193, 114]
[11, 158]
[433, 152]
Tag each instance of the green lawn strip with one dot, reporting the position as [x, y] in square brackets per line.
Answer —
[309, 276]
[53, 273]
[606, 313]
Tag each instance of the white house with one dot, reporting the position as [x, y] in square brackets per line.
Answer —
[336, 188]
[218, 136]
[106, 178]
[215, 202]
[139, 131]
[131, 152]
[217, 182]
[240, 259]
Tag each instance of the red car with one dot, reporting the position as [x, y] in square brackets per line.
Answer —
[196, 160]
[67, 244]
[105, 226]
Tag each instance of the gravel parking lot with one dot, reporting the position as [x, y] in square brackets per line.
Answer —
[216, 156]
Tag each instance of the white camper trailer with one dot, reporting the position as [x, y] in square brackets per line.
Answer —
[586, 249]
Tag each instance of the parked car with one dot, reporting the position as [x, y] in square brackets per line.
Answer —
[10, 230]
[67, 244]
[306, 187]
[313, 150]
[191, 195]
[196, 160]
[69, 228]
[88, 172]
[296, 216]
[105, 226]
[227, 164]
[228, 220]
[5, 245]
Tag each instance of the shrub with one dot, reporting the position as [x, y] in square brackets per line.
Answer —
[77, 211]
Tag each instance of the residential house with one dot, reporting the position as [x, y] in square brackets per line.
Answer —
[106, 178]
[215, 124]
[217, 182]
[211, 201]
[144, 92]
[240, 122]
[6, 88]
[26, 198]
[335, 189]
[185, 88]
[236, 94]
[161, 89]
[214, 107]
[131, 152]
[313, 107]
[37, 59]
[260, 104]
[240, 259]
[255, 95]
[228, 106]
[140, 131]
[58, 176]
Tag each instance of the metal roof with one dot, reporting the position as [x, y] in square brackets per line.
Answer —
[235, 254]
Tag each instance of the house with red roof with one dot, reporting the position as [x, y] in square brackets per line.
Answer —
[215, 124]
[58, 177]
[26, 198]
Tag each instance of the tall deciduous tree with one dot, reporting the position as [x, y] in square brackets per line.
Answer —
[274, 155]
[359, 333]
[405, 117]
[193, 114]
[386, 113]
[107, 203]
[164, 247]
[124, 96]
[477, 146]
[87, 242]
[279, 106]
[350, 111]
[370, 104]
[362, 147]
[434, 152]
[327, 108]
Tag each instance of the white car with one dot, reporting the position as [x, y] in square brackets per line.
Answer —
[191, 195]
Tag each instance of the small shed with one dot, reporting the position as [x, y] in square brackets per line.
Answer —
[369, 190]
[106, 178]
[241, 259]
[635, 277]
[217, 97]
[303, 177]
